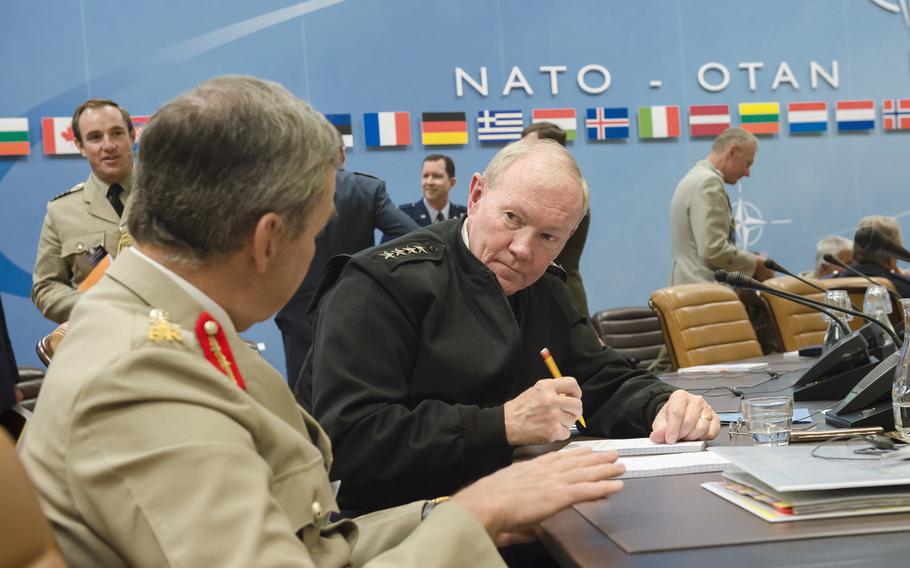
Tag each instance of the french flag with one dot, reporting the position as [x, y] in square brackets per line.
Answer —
[855, 115]
[387, 128]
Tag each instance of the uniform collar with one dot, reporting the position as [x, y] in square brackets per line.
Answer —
[432, 212]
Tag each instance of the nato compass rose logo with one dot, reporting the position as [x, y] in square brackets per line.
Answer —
[749, 221]
[895, 7]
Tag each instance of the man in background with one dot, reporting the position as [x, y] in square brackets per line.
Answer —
[839, 247]
[880, 263]
[361, 206]
[437, 178]
[90, 215]
[570, 257]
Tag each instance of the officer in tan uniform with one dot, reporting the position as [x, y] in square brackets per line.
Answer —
[162, 439]
[89, 215]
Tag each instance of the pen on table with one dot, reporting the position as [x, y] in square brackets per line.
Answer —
[554, 370]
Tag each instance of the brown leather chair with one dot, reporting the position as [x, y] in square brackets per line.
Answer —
[796, 326]
[48, 344]
[633, 332]
[26, 540]
[856, 289]
[704, 324]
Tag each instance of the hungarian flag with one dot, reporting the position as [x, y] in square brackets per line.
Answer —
[57, 136]
[561, 117]
[342, 123]
[896, 113]
[438, 128]
[855, 115]
[387, 128]
[658, 122]
[807, 117]
[14, 137]
[708, 120]
[760, 118]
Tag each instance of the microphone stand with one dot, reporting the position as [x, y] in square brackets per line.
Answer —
[770, 263]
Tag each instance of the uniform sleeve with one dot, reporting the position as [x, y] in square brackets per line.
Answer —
[709, 222]
[52, 290]
[361, 393]
[392, 221]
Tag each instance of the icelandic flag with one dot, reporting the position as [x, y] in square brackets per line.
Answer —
[807, 117]
[499, 125]
[606, 123]
[896, 113]
[387, 128]
[855, 115]
[342, 123]
[57, 135]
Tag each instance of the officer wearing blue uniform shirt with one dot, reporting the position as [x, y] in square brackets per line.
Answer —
[437, 180]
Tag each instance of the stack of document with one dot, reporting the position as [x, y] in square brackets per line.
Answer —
[722, 368]
[790, 484]
[644, 458]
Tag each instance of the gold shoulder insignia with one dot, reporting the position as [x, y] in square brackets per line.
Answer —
[78, 187]
[161, 328]
[126, 240]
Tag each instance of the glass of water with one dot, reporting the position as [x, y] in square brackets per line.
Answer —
[768, 419]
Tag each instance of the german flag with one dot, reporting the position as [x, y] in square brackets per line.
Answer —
[439, 128]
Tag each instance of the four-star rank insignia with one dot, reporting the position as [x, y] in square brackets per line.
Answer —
[404, 250]
[216, 349]
[161, 328]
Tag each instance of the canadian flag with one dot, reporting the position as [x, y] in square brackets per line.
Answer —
[57, 135]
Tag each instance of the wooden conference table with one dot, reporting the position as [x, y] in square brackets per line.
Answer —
[672, 521]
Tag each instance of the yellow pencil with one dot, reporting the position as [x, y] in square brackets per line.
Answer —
[554, 370]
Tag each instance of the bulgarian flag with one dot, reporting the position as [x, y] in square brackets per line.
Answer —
[14, 137]
[440, 128]
[57, 135]
[760, 118]
[387, 128]
[658, 122]
[562, 117]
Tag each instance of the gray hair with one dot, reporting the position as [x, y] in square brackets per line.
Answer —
[887, 226]
[832, 245]
[545, 150]
[217, 158]
[733, 137]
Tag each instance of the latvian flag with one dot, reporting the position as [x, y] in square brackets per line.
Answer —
[607, 123]
[14, 137]
[499, 125]
[57, 136]
[897, 114]
[658, 122]
[562, 117]
[760, 118]
[807, 117]
[342, 123]
[387, 128]
[708, 120]
[444, 128]
[855, 115]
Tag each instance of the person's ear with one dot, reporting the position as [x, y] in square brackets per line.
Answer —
[265, 241]
[475, 192]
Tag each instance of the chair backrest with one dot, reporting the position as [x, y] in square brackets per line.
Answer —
[856, 289]
[26, 539]
[48, 344]
[704, 324]
[633, 332]
[796, 326]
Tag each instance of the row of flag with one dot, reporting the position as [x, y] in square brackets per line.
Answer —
[498, 126]
[57, 136]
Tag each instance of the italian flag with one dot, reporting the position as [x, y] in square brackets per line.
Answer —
[658, 122]
[561, 117]
[14, 137]
[57, 135]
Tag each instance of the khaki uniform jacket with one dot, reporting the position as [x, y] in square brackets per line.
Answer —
[76, 222]
[701, 221]
[146, 454]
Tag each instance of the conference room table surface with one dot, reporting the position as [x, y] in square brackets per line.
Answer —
[672, 521]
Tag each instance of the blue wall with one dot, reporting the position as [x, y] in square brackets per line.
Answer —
[357, 56]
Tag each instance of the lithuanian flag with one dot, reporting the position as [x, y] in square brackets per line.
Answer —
[760, 118]
[14, 137]
[439, 128]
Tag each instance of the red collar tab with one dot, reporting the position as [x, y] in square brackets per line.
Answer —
[216, 349]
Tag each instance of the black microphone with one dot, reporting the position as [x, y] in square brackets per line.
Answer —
[773, 265]
[831, 259]
[740, 280]
[872, 240]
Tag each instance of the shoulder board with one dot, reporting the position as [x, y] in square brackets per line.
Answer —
[408, 251]
[371, 176]
[408, 206]
[557, 271]
[78, 187]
